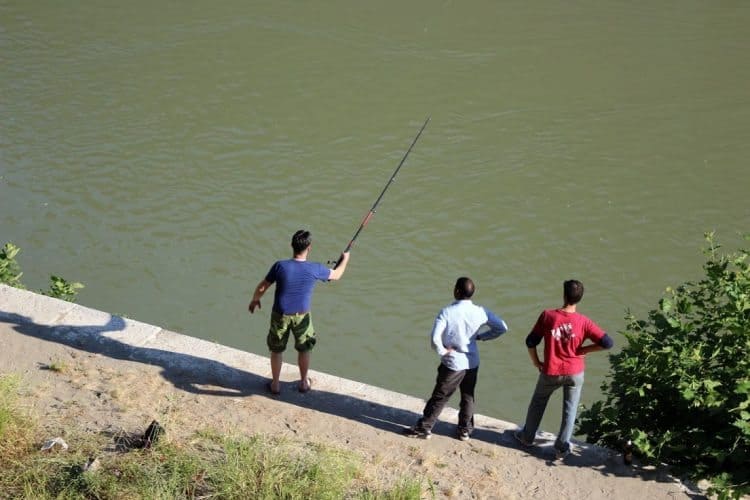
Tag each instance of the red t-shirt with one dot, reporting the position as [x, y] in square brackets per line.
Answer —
[563, 334]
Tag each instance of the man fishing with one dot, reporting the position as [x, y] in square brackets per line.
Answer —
[295, 281]
[296, 278]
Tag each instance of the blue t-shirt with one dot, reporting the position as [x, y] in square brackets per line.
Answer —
[295, 281]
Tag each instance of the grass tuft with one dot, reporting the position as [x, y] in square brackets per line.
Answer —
[208, 465]
[16, 429]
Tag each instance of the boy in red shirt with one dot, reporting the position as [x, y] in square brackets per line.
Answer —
[564, 332]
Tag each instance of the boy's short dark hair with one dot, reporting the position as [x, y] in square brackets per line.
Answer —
[572, 292]
[300, 241]
[464, 288]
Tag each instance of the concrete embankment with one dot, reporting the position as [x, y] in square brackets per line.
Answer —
[242, 373]
[117, 374]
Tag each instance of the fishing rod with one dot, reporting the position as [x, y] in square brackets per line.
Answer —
[375, 205]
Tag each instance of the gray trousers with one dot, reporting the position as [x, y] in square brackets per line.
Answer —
[545, 386]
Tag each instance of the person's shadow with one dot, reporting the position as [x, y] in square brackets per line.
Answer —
[186, 372]
[198, 375]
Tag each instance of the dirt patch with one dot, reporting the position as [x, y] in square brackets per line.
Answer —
[64, 386]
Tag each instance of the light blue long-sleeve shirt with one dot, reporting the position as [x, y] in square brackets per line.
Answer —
[459, 326]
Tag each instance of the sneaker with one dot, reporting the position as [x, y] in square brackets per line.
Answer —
[416, 432]
[521, 439]
[559, 455]
[462, 434]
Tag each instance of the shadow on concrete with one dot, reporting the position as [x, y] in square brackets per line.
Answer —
[205, 376]
[606, 462]
[186, 372]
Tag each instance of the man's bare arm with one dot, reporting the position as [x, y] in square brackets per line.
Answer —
[259, 291]
[337, 273]
[535, 358]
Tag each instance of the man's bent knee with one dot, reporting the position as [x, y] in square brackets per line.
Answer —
[305, 345]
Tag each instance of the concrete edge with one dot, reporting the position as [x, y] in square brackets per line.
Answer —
[82, 327]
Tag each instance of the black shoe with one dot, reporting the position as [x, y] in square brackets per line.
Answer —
[416, 432]
[462, 434]
[521, 439]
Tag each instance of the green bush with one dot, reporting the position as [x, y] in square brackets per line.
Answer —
[10, 274]
[680, 388]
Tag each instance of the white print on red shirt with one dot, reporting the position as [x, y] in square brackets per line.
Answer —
[563, 332]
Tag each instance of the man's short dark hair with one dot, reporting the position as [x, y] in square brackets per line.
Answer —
[464, 288]
[300, 241]
[572, 292]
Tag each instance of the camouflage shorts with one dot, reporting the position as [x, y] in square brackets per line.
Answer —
[299, 325]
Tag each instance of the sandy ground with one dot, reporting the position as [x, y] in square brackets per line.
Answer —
[104, 393]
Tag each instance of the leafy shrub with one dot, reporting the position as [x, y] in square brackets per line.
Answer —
[680, 388]
[10, 274]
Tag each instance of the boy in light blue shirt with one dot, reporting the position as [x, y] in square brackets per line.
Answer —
[454, 334]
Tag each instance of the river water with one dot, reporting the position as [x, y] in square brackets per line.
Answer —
[163, 153]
